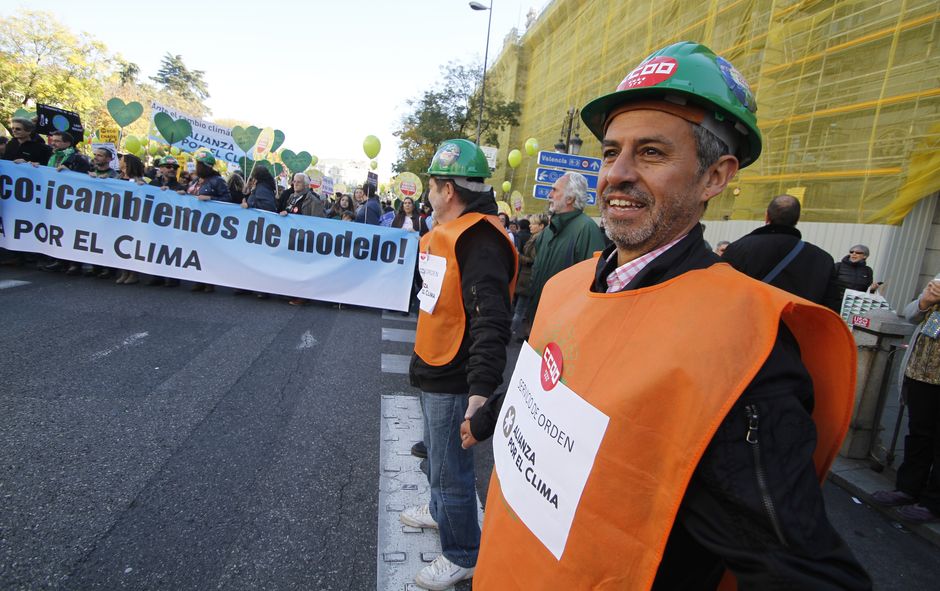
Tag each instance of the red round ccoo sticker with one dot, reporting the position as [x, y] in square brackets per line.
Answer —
[552, 366]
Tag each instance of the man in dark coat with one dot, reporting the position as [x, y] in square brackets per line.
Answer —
[809, 274]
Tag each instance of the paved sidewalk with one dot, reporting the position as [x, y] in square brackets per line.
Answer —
[857, 477]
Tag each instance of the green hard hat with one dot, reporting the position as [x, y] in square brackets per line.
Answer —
[684, 73]
[205, 157]
[459, 158]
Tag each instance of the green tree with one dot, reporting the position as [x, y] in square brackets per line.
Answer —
[450, 110]
[177, 79]
[41, 61]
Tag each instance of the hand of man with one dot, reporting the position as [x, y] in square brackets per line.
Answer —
[473, 405]
[467, 440]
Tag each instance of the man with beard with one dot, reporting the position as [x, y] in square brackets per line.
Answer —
[710, 430]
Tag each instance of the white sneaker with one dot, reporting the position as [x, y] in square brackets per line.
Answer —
[419, 516]
[442, 574]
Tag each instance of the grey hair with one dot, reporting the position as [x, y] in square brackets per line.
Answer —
[576, 188]
[303, 174]
[862, 248]
[27, 124]
[708, 148]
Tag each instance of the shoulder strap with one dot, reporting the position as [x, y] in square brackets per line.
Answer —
[783, 263]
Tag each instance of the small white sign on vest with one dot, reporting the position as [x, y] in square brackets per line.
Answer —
[432, 269]
[544, 449]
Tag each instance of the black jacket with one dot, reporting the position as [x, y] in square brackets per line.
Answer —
[33, 150]
[486, 268]
[810, 275]
[849, 275]
[781, 539]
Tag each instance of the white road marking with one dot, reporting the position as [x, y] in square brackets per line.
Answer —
[8, 283]
[307, 341]
[402, 551]
[129, 341]
[398, 335]
[395, 363]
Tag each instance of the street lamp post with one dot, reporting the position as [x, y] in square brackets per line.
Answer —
[571, 124]
[486, 55]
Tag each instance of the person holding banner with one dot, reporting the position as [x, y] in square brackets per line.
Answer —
[64, 156]
[207, 185]
[262, 190]
[26, 145]
[468, 267]
[682, 414]
[166, 175]
[101, 164]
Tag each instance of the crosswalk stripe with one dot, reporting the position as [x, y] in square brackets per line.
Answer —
[395, 363]
[8, 283]
[398, 335]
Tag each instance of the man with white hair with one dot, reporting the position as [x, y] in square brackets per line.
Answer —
[571, 236]
[302, 199]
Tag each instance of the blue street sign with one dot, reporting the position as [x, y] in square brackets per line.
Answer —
[550, 175]
[582, 164]
[541, 192]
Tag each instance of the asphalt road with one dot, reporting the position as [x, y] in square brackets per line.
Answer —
[153, 438]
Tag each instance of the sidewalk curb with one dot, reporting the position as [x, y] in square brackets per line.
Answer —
[857, 477]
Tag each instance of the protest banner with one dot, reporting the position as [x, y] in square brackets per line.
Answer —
[205, 134]
[120, 224]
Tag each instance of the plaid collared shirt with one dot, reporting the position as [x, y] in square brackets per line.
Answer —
[624, 274]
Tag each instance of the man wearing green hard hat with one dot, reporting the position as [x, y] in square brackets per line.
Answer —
[703, 408]
[467, 264]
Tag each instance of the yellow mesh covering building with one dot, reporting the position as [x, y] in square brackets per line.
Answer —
[848, 93]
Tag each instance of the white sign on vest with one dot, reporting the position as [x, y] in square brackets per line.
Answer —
[544, 448]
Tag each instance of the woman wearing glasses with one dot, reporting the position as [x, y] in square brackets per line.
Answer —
[26, 145]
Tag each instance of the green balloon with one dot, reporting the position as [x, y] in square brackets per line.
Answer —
[506, 186]
[124, 114]
[371, 146]
[531, 146]
[515, 158]
[314, 160]
[132, 144]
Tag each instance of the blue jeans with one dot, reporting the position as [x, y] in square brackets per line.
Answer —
[453, 485]
[522, 306]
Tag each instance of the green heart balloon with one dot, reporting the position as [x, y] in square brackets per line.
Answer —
[172, 130]
[124, 114]
[278, 140]
[24, 114]
[296, 162]
[278, 168]
[245, 138]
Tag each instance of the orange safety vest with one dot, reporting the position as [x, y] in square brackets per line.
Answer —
[665, 363]
[439, 334]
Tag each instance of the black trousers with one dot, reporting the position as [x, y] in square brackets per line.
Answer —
[919, 474]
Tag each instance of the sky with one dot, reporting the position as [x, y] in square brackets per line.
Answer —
[326, 73]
